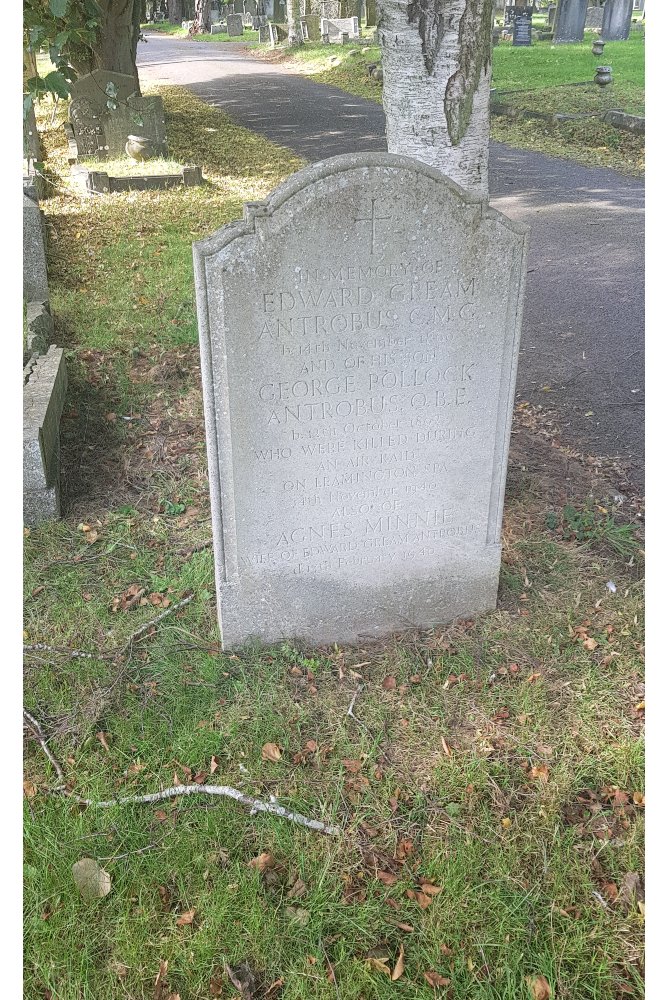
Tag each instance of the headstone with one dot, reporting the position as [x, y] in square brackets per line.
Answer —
[551, 14]
[594, 18]
[264, 33]
[335, 28]
[329, 9]
[218, 28]
[234, 25]
[247, 20]
[43, 399]
[97, 131]
[31, 149]
[312, 22]
[273, 35]
[570, 21]
[617, 20]
[359, 336]
[523, 23]
[35, 278]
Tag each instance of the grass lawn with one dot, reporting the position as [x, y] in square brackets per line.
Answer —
[489, 788]
[538, 78]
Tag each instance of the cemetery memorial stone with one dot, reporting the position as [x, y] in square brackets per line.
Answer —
[218, 28]
[234, 25]
[523, 23]
[594, 17]
[104, 110]
[35, 278]
[335, 27]
[617, 20]
[312, 22]
[359, 336]
[551, 14]
[264, 33]
[570, 21]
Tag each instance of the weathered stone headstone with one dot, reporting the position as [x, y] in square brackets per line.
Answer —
[234, 25]
[570, 21]
[551, 14]
[99, 131]
[594, 18]
[31, 150]
[617, 20]
[218, 28]
[359, 336]
[35, 278]
[335, 28]
[43, 398]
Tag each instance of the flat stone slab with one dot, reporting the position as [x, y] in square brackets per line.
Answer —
[359, 335]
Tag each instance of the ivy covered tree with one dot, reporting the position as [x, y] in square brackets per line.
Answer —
[80, 36]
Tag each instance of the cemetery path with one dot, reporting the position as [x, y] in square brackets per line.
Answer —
[582, 355]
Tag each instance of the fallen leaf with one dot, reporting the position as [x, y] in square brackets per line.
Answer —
[379, 964]
[539, 987]
[539, 773]
[399, 968]
[387, 878]
[430, 889]
[389, 684]
[297, 915]
[506, 822]
[352, 766]
[638, 799]
[445, 746]
[435, 979]
[590, 644]
[271, 752]
[446, 950]
[159, 979]
[533, 678]
[215, 764]
[405, 927]
[185, 918]
[91, 880]
[298, 889]
[29, 789]
[262, 861]
[161, 815]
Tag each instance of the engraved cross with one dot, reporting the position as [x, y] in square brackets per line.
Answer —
[374, 219]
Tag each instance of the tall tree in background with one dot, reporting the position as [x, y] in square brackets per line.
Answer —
[202, 18]
[436, 58]
[115, 47]
[175, 11]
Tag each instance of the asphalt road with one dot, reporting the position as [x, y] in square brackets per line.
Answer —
[583, 329]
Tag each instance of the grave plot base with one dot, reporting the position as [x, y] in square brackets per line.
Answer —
[99, 182]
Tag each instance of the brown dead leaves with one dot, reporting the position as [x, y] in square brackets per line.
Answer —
[539, 987]
[136, 597]
[271, 752]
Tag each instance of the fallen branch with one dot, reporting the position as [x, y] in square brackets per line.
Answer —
[257, 805]
[156, 621]
[41, 739]
[351, 705]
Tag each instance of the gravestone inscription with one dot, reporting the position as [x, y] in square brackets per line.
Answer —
[359, 338]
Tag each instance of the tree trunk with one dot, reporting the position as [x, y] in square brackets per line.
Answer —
[116, 45]
[29, 67]
[436, 59]
[202, 19]
[294, 30]
[175, 11]
[371, 14]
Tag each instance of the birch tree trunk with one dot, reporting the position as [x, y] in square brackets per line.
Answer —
[294, 30]
[202, 19]
[436, 59]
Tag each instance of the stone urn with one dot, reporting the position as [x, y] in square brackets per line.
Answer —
[597, 48]
[603, 75]
[138, 147]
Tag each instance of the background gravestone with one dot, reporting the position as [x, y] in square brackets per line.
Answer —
[617, 20]
[97, 131]
[570, 21]
[594, 17]
[359, 336]
[522, 27]
[234, 25]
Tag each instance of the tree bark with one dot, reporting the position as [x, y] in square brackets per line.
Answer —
[294, 30]
[116, 46]
[436, 58]
[202, 18]
[175, 11]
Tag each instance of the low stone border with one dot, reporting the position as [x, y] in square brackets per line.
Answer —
[40, 329]
[99, 182]
[618, 119]
[43, 400]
